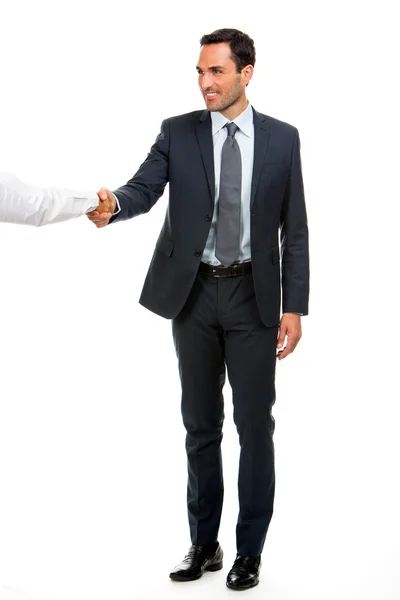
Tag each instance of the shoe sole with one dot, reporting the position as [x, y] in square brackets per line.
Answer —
[240, 589]
[216, 567]
[212, 568]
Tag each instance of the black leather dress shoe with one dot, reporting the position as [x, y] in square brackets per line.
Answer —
[198, 560]
[244, 573]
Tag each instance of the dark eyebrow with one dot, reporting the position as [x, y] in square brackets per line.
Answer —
[213, 68]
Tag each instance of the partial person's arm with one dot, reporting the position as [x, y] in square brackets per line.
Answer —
[31, 205]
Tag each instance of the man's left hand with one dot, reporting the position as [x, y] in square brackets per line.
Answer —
[290, 326]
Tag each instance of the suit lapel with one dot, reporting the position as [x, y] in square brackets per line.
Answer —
[204, 138]
[261, 138]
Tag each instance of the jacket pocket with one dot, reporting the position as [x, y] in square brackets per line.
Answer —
[165, 245]
[275, 255]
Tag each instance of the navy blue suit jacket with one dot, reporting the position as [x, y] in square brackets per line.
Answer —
[182, 156]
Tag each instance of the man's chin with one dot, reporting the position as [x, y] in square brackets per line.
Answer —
[213, 106]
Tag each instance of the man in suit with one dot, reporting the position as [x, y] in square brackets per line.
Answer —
[217, 271]
[27, 204]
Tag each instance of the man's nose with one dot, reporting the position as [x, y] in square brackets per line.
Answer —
[207, 81]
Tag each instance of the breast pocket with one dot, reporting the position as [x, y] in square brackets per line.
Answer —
[276, 173]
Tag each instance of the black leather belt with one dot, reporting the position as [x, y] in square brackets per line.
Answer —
[232, 271]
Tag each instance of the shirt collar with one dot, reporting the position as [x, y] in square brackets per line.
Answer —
[244, 121]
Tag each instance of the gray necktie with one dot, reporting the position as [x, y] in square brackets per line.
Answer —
[228, 228]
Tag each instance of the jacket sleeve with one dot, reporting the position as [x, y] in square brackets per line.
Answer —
[143, 190]
[294, 239]
[31, 205]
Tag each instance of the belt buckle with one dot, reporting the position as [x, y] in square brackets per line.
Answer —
[214, 272]
[235, 270]
[231, 271]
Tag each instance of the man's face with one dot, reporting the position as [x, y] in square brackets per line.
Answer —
[220, 83]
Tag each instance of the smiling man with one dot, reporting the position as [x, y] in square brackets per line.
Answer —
[222, 84]
[233, 252]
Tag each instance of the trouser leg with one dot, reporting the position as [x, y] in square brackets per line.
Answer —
[250, 354]
[199, 347]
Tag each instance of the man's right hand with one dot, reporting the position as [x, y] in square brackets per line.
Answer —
[103, 213]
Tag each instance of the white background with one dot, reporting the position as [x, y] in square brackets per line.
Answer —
[92, 459]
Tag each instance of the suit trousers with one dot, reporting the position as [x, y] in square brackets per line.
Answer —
[219, 329]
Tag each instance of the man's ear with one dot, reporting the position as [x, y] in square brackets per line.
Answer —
[248, 70]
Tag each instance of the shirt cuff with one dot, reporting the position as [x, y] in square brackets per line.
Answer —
[117, 208]
[94, 199]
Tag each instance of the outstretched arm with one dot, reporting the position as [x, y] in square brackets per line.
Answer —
[143, 190]
[31, 205]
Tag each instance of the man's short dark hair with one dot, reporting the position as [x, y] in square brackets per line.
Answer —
[242, 46]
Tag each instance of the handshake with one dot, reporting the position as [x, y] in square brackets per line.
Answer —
[105, 210]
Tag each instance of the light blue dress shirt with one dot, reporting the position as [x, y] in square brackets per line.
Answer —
[245, 139]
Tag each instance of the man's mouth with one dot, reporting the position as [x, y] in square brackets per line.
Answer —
[211, 94]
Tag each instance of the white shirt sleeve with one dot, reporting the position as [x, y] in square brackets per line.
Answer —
[117, 208]
[30, 205]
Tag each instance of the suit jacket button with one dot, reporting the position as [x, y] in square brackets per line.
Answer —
[208, 217]
[197, 253]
